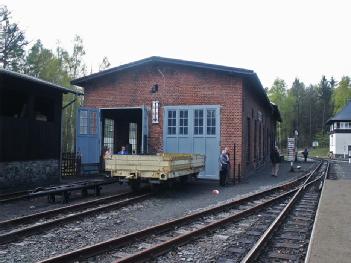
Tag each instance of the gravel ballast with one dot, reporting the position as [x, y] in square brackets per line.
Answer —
[166, 205]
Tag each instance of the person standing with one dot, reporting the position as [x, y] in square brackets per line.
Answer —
[305, 154]
[123, 151]
[224, 162]
[275, 159]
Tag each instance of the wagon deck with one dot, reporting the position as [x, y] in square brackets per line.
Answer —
[154, 168]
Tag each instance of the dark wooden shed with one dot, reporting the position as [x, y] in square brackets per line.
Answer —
[30, 131]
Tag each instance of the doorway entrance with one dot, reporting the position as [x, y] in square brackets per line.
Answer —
[110, 128]
[122, 127]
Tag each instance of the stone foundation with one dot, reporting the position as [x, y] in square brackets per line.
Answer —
[28, 174]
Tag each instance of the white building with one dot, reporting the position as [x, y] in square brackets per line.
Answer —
[340, 132]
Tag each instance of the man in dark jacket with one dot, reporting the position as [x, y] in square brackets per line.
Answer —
[275, 159]
[224, 162]
[305, 154]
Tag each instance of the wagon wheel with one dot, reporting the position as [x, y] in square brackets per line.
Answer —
[184, 179]
[135, 185]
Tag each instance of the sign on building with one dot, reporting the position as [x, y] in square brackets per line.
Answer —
[154, 109]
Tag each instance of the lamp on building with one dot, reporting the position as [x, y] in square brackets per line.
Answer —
[154, 88]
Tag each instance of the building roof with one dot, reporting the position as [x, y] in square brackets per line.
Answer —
[247, 74]
[30, 79]
[343, 115]
[276, 112]
[156, 59]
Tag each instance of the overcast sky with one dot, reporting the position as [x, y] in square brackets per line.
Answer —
[285, 39]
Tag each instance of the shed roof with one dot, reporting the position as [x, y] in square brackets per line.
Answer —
[343, 115]
[239, 71]
[15, 75]
[249, 75]
[246, 74]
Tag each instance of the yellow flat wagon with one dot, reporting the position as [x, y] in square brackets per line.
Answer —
[154, 169]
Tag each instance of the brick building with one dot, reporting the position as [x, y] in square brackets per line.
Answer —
[168, 105]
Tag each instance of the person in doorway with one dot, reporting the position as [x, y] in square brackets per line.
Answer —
[275, 159]
[123, 151]
[107, 153]
[305, 154]
[224, 163]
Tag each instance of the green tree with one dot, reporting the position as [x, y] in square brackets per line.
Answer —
[12, 42]
[325, 91]
[42, 63]
[342, 94]
[75, 62]
[278, 95]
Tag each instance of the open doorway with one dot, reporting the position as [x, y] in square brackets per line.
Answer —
[122, 127]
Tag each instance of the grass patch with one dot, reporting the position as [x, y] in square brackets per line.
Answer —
[320, 152]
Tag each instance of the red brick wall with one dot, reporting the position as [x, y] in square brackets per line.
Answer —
[253, 104]
[178, 85]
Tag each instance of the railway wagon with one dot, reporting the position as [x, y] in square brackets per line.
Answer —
[154, 169]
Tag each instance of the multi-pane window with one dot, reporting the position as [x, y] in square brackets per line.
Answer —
[198, 122]
[133, 136]
[211, 122]
[108, 134]
[183, 122]
[347, 125]
[83, 122]
[172, 122]
[92, 122]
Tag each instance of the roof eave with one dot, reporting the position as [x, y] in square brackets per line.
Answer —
[155, 59]
[38, 81]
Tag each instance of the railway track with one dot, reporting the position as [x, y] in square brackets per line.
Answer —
[9, 197]
[14, 229]
[287, 238]
[154, 241]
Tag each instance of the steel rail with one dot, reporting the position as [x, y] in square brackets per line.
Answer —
[20, 233]
[309, 248]
[28, 194]
[57, 211]
[254, 252]
[123, 240]
[112, 243]
[167, 245]
[5, 198]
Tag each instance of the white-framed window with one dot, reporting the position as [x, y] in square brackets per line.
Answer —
[342, 125]
[211, 122]
[172, 122]
[183, 122]
[198, 122]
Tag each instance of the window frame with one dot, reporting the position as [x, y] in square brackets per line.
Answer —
[183, 122]
[86, 126]
[213, 119]
[174, 126]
